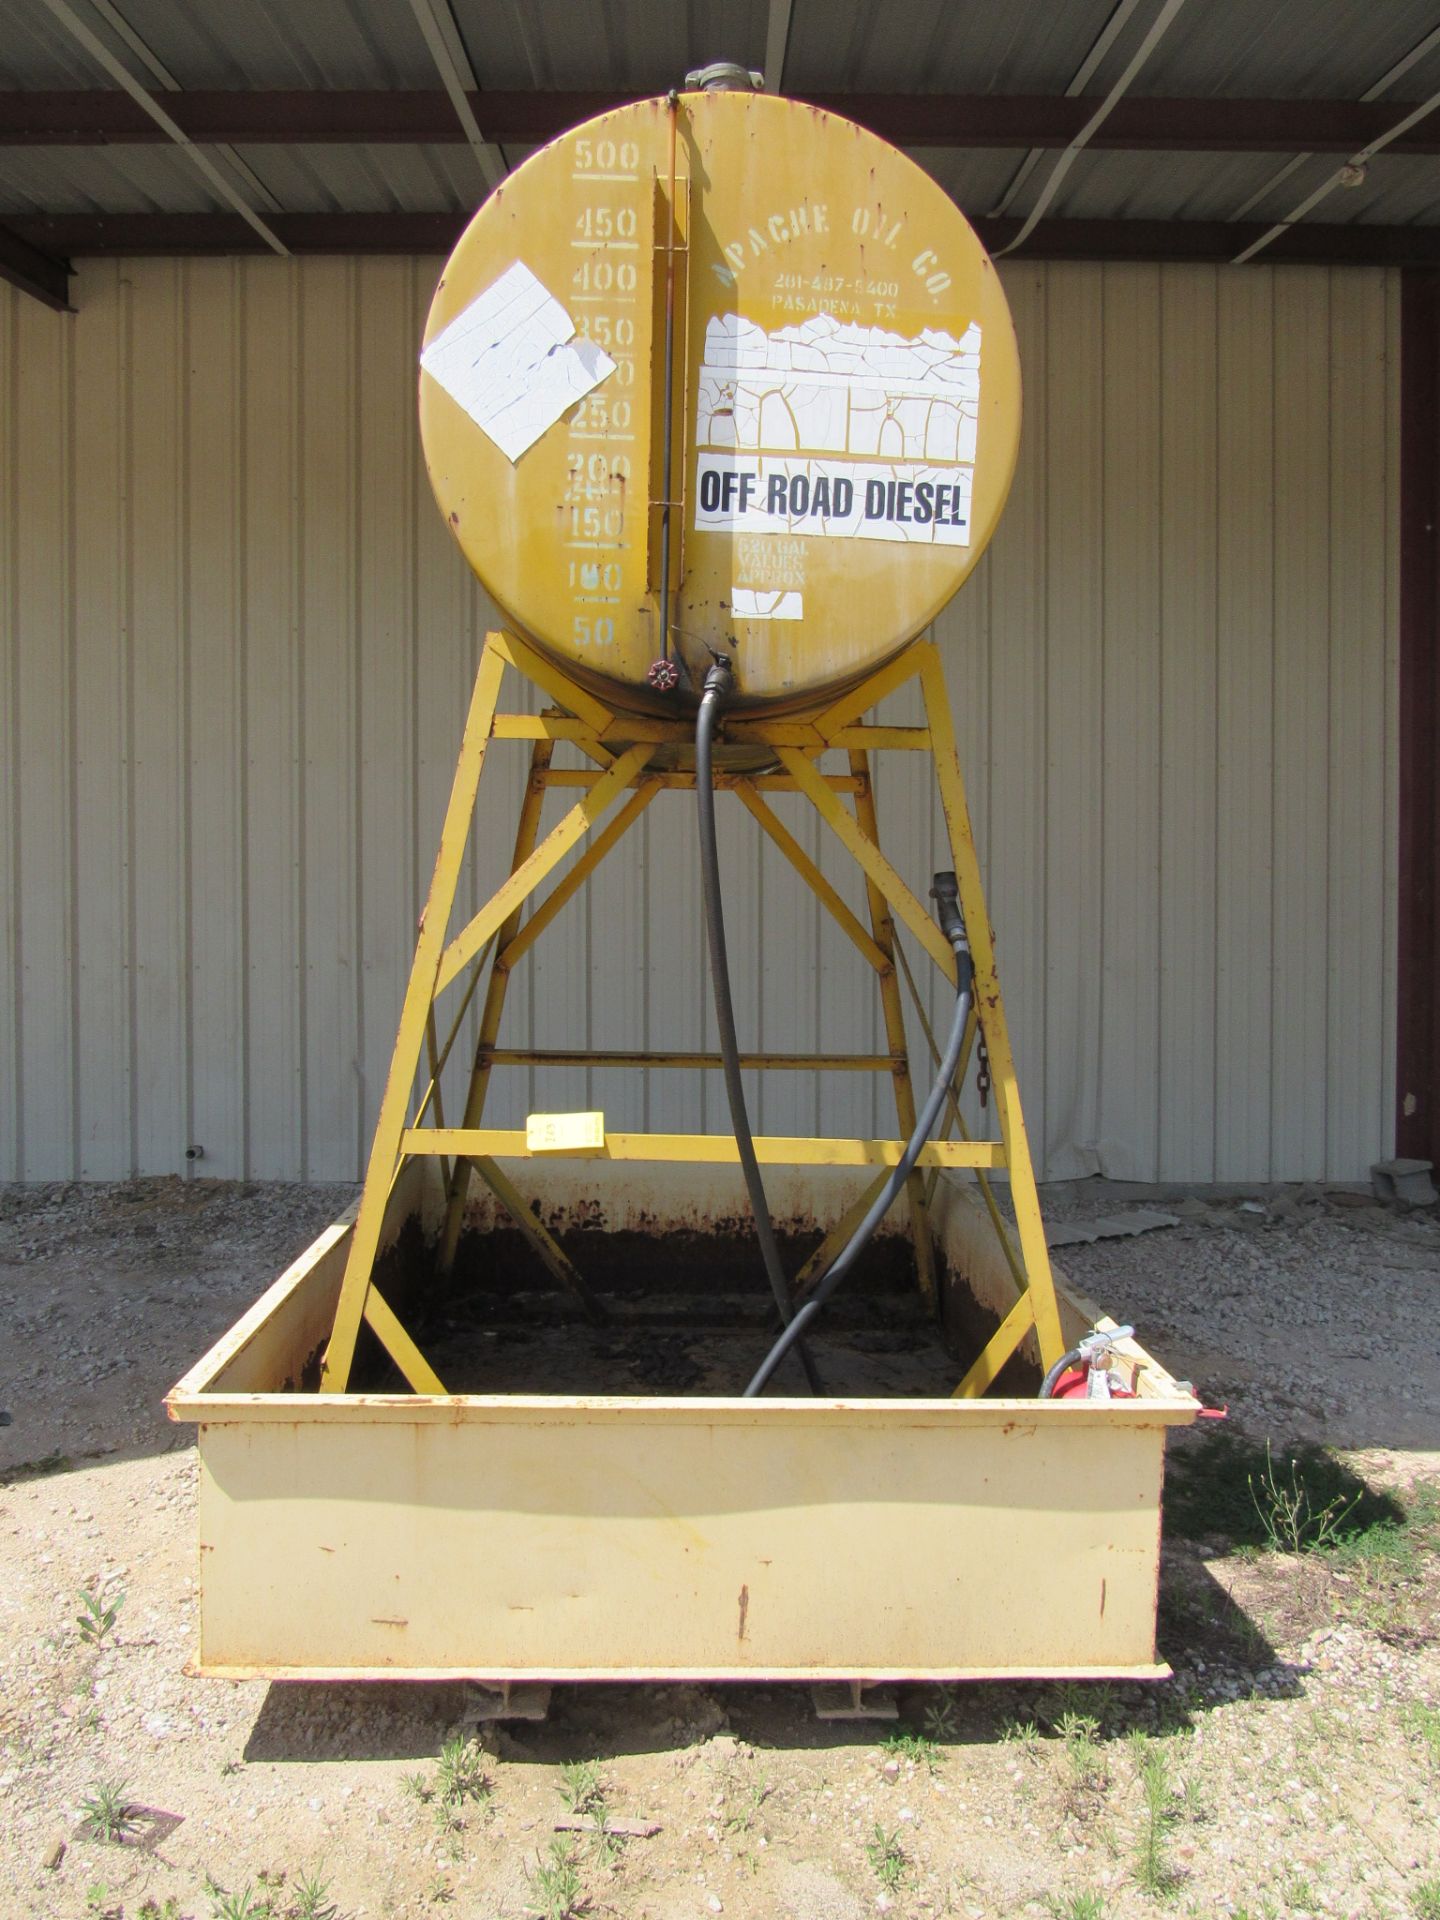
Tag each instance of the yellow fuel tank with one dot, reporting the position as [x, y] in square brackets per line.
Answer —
[844, 396]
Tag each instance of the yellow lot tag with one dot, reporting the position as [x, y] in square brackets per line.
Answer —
[565, 1133]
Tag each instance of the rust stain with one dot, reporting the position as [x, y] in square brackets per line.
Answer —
[744, 1609]
[384, 1620]
[1102, 1599]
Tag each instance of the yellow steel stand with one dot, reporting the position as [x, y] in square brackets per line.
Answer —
[622, 747]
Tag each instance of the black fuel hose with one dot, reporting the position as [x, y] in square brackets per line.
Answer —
[719, 683]
[949, 916]
[1062, 1365]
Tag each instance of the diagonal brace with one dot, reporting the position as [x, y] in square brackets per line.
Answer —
[551, 851]
[827, 895]
[543, 1243]
[876, 867]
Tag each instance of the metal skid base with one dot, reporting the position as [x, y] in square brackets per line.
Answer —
[855, 1701]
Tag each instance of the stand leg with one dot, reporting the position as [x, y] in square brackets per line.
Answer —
[526, 834]
[991, 1011]
[410, 1039]
[882, 928]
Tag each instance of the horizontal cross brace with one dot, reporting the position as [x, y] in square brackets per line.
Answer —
[685, 782]
[715, 1149]
[768, 733]
[763, 1062]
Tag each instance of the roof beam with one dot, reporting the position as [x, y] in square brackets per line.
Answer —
[447, 50]
[110, 117]
[1155, 33]
[1354, 243]
[146, 101]
[1391, 77]
[777, 43]
[33, 271]
[1358, 161]
[1079, 80]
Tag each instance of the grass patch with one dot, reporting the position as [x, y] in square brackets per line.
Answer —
[1426, 1900]
[1089, 1905]
[1300, 1498]
[1424, 1724]
[917, 1748]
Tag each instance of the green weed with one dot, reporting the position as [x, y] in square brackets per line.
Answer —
[581, 1787]
[462, 1772]
[1425, 1899]
[1294, 1512]
[99, 1611]
[607, 1849]
[914, 1747]
[106, 1813]
[246, 1904]
[1081, 1700]
[1079, 1906]
[556, 1883]
[940, 1719]
[1083, 1755]
[742, 1811]
[460, 1780]
[1228, 1487]
[310, 1898]
[887, 1857]
[151, 1909]
[1153, 1872]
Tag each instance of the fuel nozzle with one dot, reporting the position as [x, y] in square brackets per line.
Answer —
[945, 892]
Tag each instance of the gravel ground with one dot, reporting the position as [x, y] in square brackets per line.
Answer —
[1293, 1761]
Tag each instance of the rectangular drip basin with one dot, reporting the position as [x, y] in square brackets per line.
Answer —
[601, 1503]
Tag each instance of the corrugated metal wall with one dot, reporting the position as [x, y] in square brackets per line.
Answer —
[236, 651]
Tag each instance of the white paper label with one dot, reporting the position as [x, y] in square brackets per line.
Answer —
[761, 603]
[512, 361]
[839, 430]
